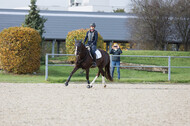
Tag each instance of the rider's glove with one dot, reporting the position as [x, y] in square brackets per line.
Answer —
[88, 47]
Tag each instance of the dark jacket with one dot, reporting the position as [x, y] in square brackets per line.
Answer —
[92, 38]
[116, 52]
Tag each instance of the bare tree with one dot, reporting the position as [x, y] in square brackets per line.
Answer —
[153, 22]
[181, 19]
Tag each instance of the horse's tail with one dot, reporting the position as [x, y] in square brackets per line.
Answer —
[107, 72]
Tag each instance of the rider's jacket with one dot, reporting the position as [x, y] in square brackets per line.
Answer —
[92, 37]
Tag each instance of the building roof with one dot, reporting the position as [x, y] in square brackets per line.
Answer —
[112, 26]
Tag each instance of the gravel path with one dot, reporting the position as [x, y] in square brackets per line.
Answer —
[75, 105]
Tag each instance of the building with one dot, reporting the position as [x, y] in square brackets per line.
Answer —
[83, 5]
[113, 27]
[98, 5]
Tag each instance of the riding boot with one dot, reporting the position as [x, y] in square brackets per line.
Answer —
[94, 60]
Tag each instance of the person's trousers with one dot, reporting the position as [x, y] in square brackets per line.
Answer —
[116, 64]
[93, 49]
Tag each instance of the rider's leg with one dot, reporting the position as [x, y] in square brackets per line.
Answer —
[93, 49]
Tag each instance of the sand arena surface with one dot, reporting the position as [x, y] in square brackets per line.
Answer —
[75, 105]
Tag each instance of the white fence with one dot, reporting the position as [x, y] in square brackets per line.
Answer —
[169, 62]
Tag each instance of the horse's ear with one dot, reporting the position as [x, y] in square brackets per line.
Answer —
[81, 40]
[76, 41]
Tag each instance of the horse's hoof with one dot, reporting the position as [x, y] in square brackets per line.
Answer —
[89, 86]
[66, 84]
[104, 86]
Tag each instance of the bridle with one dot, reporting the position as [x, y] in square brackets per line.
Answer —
[78, 53]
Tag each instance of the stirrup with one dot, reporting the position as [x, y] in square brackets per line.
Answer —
[93, 64]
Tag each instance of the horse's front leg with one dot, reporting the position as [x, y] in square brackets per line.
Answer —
[74, 70]
[87, 76]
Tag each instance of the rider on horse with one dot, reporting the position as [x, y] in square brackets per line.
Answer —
[92, 36]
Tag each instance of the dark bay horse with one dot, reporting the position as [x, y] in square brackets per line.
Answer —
[84, 61]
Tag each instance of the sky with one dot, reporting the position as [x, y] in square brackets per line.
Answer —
[12, 4]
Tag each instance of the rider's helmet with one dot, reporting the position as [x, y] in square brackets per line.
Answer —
[93, 25]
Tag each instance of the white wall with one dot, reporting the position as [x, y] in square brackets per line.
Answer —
[99, 2]
[81, 8]
[118, 2]
[102, 5]
[85, 3]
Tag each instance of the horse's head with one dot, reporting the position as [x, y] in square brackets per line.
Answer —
[79, 47]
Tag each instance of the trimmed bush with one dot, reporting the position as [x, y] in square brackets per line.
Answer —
[0, 62]
[80, 35]
[20, 50]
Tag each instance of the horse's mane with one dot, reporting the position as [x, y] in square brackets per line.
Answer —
[83, 45]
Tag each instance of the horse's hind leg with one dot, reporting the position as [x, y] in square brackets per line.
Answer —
[90, 85]
[103, 81]
[103, 77]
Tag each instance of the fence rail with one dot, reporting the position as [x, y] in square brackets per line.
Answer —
[169, 62]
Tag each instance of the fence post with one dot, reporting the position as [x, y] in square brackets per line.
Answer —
[53, 48]
[111, 65]
[169, 68]
[110, 61]
[46, 69]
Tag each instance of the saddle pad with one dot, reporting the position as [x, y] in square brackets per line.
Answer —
[98, 54]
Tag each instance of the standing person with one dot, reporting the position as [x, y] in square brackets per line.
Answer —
[92, 36]
[115, 59]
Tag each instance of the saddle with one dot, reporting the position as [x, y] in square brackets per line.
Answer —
[98, 53]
